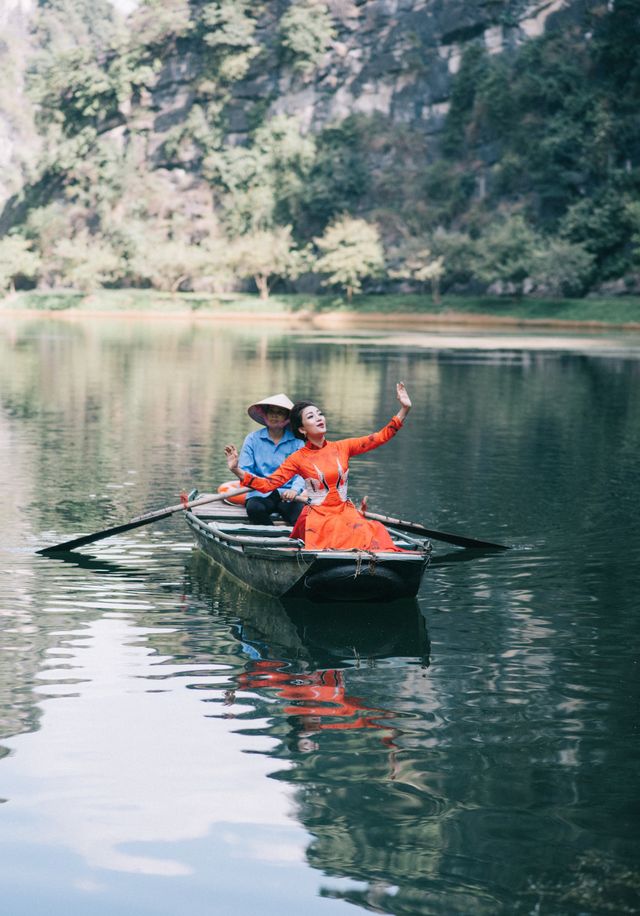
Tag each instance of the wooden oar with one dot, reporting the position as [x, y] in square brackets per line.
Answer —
[415, 528]
[140, 520]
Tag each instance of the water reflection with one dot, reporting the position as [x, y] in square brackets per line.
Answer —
[301, 655]
[158, 722]
[121, 733]
[111, 679]
[342, 731]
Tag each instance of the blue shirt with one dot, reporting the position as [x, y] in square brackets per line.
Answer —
[261, 456]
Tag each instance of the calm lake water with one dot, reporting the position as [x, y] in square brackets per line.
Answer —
[172, 743]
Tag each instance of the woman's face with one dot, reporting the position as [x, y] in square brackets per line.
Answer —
[313, 422]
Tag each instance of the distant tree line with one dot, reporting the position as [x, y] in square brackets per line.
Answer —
[533, 189]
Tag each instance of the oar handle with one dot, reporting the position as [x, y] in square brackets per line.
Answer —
[188, 504]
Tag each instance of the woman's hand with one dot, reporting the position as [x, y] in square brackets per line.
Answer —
[231, 454]
[404, 399]
[288, 495]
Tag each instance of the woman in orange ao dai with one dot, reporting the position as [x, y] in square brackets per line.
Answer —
[332, 521]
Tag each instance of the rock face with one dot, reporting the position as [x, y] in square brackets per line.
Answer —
[391, 57]
[18, 139]
[395, 59]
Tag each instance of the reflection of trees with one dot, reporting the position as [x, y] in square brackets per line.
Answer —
[21, 641]
[320, 678]
[46, 611]
[118, 408]
[426, 797]
[133, 412]
[540, 447]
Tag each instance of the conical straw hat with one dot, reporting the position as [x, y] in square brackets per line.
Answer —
[256, 411]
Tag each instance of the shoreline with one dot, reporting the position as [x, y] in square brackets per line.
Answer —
[328, 320]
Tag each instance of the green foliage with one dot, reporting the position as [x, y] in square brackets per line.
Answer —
[514, 258]
[240, 181]
[74, 91]
[60, 25]
[458, 253]
[170, 264]
[448, 190]
[263, 184]
[504, 254]
[338, 178]
[561, 268]
[602, 224]
[199, 135]
[46, 225]
[283, 176]
[159, 24]
[633, 215]
[289, 157]
[227, 28]
[473, 68]
[17, 259]
[350, 251]
[306, 31]
[414, 260]
[547, 130]
[69, 77]
[84, 75]
[616, 39]
[553, 125]
[84, 263]
[265, 254]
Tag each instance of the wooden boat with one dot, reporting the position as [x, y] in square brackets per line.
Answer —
[267, 559]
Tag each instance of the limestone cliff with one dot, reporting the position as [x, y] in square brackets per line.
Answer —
[391, 58]
[19, 142]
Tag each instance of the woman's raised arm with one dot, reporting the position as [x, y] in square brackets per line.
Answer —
[374, 440]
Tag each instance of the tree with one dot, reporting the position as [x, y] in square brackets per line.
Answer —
[338, 178]
[265, 254]
[602, 224]
[351, 250]
[157, 23]
[17, 259]
[85, 262]
[504, 254]
[168, 264]
[561, 268]
[458, 253]
[415, 261]
[264, 183]
[229, 27]
[633, 215]
[306, 31]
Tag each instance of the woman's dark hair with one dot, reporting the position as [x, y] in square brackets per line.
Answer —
[295, 417]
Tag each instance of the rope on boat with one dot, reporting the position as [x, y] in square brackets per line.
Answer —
[373, 560]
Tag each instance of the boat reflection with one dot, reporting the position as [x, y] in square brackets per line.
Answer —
[301, 655]
[338, 688]
[321, 636]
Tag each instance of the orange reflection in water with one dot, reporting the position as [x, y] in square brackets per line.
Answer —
[315, 696]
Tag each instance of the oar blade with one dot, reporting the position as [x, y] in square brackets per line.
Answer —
[67, 546]
[138, 522]
[461, 541]
[458, 540]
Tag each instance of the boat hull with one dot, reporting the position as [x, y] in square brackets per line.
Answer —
[286, 569]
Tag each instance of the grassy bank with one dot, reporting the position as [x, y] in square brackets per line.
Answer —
[614, 311]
